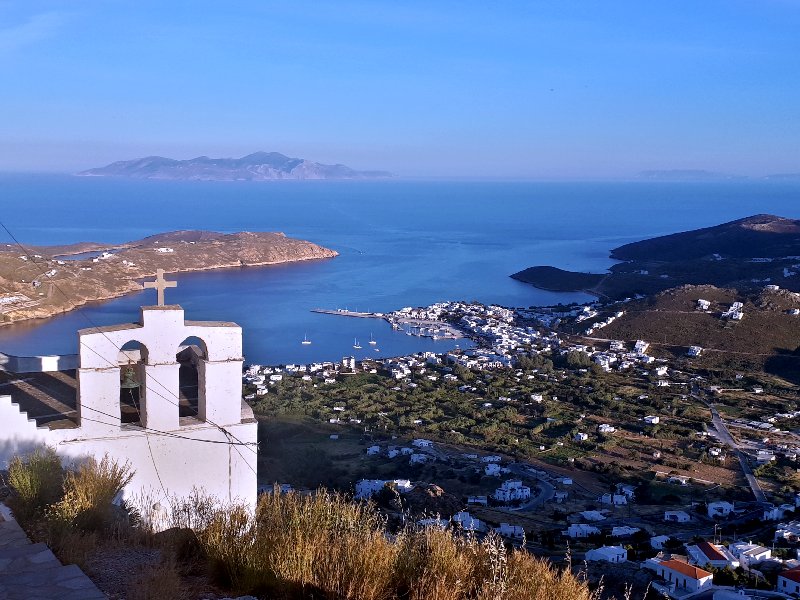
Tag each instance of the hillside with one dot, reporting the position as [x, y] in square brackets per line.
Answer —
[259, 166]
[767, 336]
[43, 281]
[744, 254]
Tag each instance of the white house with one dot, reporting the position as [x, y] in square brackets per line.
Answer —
[605, 428]
[373, 450]
[627, 490]
[694, 351]
[468, 522]
[492, 470]
[776, 513]
[652, 419]
[512, 491]
[713, 555]
[613, 499]
[788, 531]
[581, 437]
[677, 516]
[682, 577]
[719, 509]
[789, 581]
[580, 530]
[514, 532]
[130, 390]
[623, 531]
[366, 488]
[749, 553]
[657, 541]
[420, 443]
[612, 554]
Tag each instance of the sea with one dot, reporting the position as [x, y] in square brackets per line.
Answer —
[400, 243]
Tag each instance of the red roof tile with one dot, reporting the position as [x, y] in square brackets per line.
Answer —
[792, 574]
[711, 551]
[685, 569]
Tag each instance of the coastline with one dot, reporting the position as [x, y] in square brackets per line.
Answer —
[39, 285]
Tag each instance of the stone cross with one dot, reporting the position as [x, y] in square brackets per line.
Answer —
[160, 284]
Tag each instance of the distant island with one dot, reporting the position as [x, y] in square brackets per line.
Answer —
[743, 254]
[41, 281]
[259, 166]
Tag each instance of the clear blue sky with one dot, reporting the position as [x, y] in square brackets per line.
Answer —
[540, 89]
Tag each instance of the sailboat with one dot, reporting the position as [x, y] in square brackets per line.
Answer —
[305, 341]
[356, 345]
[372, 342]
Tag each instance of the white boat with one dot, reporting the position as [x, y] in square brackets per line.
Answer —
[306, 341]
[356, 345]
[372, 342]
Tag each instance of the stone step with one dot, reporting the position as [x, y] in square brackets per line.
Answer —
[57, 583]
[26, 559]
[11, 534]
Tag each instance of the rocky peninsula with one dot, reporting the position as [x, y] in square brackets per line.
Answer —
[743, 254]
[42, 281]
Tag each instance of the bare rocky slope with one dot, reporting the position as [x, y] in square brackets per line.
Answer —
[43, 281]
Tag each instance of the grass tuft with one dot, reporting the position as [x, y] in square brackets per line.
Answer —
[36, 480]
[324, 546]
[89, 495]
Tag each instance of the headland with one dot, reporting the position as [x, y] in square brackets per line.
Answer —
[42, 281]
[744, 254]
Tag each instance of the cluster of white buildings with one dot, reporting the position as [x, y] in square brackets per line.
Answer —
[366, 488]
[618, 356]
[512, 491]
[735, 312]
[604, 323]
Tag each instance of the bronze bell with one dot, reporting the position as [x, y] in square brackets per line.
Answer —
[129, 380]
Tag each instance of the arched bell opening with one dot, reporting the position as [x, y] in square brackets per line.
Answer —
[131, 360]
[191, 352]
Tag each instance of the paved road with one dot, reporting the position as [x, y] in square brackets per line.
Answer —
[548, 491]
[725, 436]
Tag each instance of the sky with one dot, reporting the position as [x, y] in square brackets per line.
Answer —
[555, 89]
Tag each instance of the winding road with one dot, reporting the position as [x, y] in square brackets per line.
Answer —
[725, 437]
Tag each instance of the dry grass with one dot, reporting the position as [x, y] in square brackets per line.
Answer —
[74, 547]
[324, 546]
[156, 582]
[89, 493]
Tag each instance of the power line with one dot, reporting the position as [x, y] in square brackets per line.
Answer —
[227, 433]
[32, 259]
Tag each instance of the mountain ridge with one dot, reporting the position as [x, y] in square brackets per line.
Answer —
[257, 166]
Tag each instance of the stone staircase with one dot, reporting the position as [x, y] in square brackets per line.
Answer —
[32, 572]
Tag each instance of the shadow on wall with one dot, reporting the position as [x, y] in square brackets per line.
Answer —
[38, 364]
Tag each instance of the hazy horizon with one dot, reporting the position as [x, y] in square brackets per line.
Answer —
[518, 90]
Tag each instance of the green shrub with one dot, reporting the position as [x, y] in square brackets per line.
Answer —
[89, 493]
[36, 480]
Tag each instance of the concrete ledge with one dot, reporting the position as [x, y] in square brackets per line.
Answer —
[38, 364]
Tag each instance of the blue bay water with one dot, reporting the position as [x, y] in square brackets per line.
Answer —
[401, 243]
